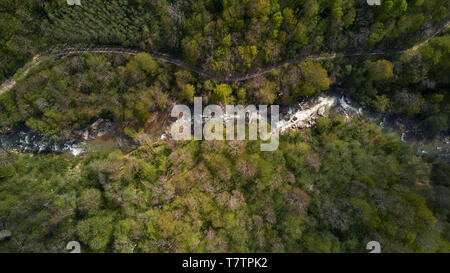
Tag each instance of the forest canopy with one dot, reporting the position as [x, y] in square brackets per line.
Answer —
[331, 190]
[331, 187]
[221, 36]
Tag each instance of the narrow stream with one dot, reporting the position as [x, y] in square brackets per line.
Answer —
[298, 117]
[37, 143]
[32, 142]
[304, 118]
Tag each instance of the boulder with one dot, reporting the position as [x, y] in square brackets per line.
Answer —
[301, 124]
[95, 125]
[85, 135]
[321, 111]
[99, 128]
[104, 128]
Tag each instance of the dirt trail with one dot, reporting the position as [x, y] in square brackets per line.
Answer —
[414, 48]
[10, 83]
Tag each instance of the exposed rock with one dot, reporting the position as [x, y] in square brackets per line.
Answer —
[301, 124]
[348, 100]
[321, 111]
[97, 129]
[95, 125]
[446, 140]
[85, 135]
[105, 128]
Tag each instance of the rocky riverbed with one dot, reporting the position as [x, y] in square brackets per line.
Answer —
[26, 141]
[102, 134]
[305, 114]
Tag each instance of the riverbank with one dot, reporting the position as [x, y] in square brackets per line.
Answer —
[301, 116]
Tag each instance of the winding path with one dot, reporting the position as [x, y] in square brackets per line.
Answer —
[7, 85]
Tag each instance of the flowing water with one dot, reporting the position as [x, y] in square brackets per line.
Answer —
[302, 116]
[36, 143]
[438, 147]
[31, 142]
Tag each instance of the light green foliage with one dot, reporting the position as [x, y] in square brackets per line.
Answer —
[90, 201]
[222, 93]
[437, 54]
[50, 101]
[381, 70]
[381, 103]
[112, 202]
[146, 63]
[326, 189]
[314, 78]
[96, 232]
[184, 83]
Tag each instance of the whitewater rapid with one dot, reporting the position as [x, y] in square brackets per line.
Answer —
[303, 115]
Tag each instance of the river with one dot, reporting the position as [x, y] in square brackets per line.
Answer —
[300, 116]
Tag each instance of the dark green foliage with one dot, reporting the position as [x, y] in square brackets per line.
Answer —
[221, 36]
[19, 34]
[102, 22]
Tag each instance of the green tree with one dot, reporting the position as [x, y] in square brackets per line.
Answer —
[222, 93]
[381, 70]
[314, 78]
[187, 92]
[90, 202]
[146, 63]
[96, 232]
